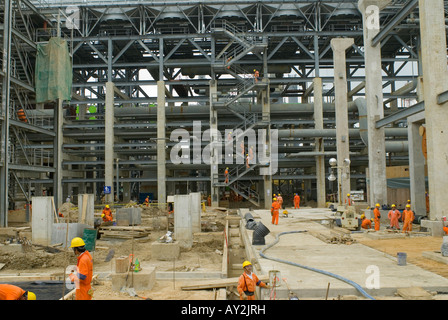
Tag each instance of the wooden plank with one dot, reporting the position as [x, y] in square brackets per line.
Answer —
[220, 283]
[414, 293]
[84, 208]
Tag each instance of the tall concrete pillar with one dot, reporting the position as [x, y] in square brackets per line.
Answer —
[57, 154]
[109, 155]
[183, 230]
[339, 46]
[370, 10]
[435, 81]
[268, 155]
[214, 173]
[320, 160]
[416, 164]
[161, 145]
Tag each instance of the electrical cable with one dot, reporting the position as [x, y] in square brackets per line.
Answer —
[348, 281]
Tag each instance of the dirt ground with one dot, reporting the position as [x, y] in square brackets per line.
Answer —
[204, 256]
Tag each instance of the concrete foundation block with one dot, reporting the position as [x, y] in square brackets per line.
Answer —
[59, 232]
[42, 220]
[435, 227]
[165, 251]
[143, 280]
[128, 216]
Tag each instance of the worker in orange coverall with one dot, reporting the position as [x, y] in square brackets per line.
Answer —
[11, 292]
[280, 200]
[296, 201]
[408, 218]
[275, 211]
[84, 267]
[393, 216]
[248, 282]
[377, 216]
[107, 214]
[366, 223]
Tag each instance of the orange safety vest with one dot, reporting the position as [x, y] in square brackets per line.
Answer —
[21, 115]
[10, 292]
[107, 215]
[248, 285]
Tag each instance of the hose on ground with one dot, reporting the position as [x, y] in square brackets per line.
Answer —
[348, 281]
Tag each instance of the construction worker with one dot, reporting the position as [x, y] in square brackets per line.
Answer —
[377, 216]
[251, 154]
[11, 292]
[226, 175]
[209, 200]
[247, 161]
[275, 211]
[83, 277]
[445, 228]
[408, 218]
[147, 201]
[248, 282]
[107, 214]
[349, 200]
[242, 148]
[365, 223]
[296, 201]
[22, 116]
[393, 215]
[256, 75]
[280, 200]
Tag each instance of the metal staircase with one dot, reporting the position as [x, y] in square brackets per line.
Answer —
[240, 44]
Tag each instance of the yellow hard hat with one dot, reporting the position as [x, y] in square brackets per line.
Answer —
[246, 263]
[348, 194]
[409, 201]
[393, 206]
[377, 205]
[363, 216]
[408, 206]
[102, 215]
[107, 206]
[275, 199]
[77, 242]
[31, 295]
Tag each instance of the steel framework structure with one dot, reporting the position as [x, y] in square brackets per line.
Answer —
[188, 45]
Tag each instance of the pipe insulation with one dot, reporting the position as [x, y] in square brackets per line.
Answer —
[348, 281]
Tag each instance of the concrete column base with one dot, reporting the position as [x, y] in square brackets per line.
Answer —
[142, 280]
[165, 251]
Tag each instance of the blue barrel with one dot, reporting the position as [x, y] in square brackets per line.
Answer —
[401, 258]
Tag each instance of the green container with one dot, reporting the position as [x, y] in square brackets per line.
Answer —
[89, 237]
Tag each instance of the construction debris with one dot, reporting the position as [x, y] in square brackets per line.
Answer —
[123, 232]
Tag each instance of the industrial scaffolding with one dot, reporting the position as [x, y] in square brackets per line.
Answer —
[142, 69]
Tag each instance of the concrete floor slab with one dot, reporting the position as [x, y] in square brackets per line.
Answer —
[377, 273]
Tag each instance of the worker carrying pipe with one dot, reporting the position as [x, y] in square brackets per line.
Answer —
[408, 217]
[83, 277]
[248, 281]
[11, 292]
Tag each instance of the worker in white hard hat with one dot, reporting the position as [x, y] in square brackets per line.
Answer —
[83, 277]
[248, 281]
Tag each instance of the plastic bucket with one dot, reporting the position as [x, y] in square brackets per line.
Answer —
[401, 258]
